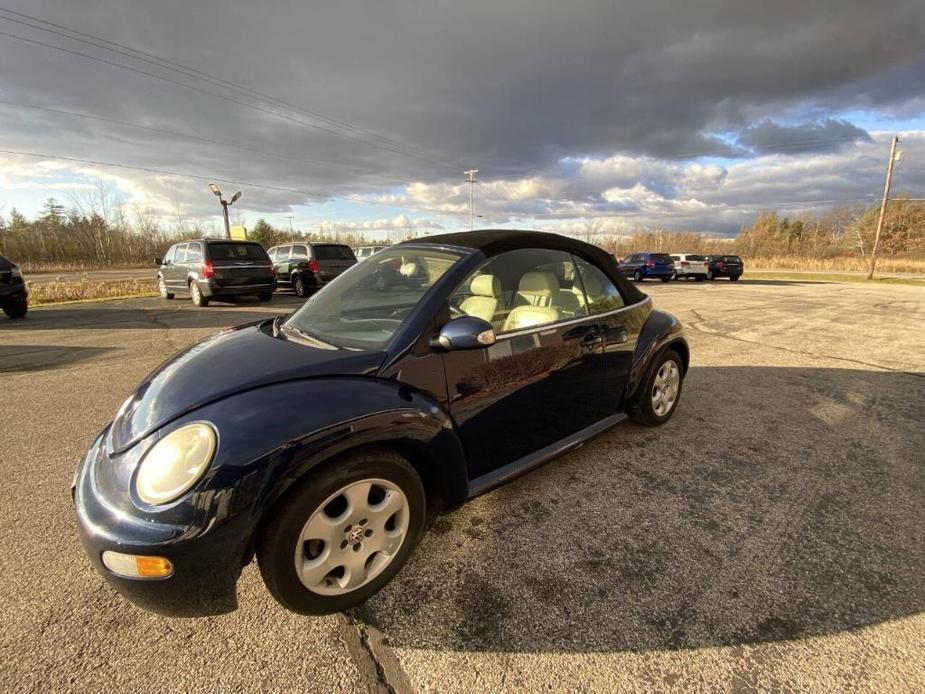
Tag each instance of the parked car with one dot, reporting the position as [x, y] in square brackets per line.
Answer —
[512, 348]
[305, 267]
[214, 269]
[724, 266]
[364, 252]
[689, 265]
[642, 266]
[14, 295]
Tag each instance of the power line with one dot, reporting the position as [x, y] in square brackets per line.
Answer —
[190, 136]
[202, 90]
[194, 73]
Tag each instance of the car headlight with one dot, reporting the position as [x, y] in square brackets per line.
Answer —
[175, 463]
[16, 272]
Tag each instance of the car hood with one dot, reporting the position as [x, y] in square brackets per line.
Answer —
[235, 360]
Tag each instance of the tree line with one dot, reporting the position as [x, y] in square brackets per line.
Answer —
[81, 236]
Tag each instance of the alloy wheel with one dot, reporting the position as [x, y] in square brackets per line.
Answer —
[665, 388]
[352, 537]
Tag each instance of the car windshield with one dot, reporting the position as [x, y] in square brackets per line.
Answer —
[731, 259]
[365, 306]
[697, 258]
[236, 251]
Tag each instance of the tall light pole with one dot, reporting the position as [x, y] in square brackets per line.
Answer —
[225, 205]
[470, 179]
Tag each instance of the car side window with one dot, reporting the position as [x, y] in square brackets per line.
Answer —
[520, 289]
[169, 257]
[181, 253]
[299, 252]
[282, 253]
[193, 252]
[271, 254]
[600, 293]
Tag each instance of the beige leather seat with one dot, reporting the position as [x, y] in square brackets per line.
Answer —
[536, 289]
[522, 317]
[568, 303]
[486, 289]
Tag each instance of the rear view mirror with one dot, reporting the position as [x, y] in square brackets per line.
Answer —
[467, 332]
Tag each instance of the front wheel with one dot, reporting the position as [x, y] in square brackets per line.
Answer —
[16, 308]
[265, 296]
[710, 275]
[734, 278]
[661, 390]
[343, 533]
[666, 279]
[162, 288]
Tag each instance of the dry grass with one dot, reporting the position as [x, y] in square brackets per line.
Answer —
[31, 268]
[839, 264]
[57, 292]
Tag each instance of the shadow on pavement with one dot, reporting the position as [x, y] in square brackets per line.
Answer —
[18, 358]
[136, 314]
[779, 503]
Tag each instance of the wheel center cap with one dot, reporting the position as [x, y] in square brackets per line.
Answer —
[355, 535]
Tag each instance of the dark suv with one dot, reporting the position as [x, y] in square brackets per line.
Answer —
[304, 267]
[215, 268]
[14, 296]
[641, 266]
[724, 266]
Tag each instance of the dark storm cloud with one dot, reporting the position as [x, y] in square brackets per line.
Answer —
[511, 87]
[826, 136]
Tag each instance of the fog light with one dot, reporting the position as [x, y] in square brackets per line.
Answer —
[136, 566]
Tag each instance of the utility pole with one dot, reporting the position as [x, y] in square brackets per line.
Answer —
[886, 196]
[290, 224]
[470, 179]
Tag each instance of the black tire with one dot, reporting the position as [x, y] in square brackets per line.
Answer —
[17, 308]
[162, 288]
[700, 278]
[637, 276]
[265, 296]
[298, 284]
[196, 295]
[666, 279]
[674, 275]
[734, 278]
[276, 543]
[710, 275]
[644, 412]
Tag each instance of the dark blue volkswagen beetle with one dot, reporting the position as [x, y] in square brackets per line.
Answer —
[426, 375]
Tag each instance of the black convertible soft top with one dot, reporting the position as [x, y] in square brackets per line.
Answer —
[494, 241]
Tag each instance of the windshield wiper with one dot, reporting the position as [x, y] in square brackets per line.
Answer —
[303, 336]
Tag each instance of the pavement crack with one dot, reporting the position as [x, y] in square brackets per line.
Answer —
[373, 657]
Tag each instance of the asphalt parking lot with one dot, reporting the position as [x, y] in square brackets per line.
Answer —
[771, 536]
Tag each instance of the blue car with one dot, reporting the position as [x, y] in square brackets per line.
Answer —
[316, 442]
[641, 266]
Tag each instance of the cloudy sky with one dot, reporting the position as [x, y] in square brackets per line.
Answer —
[364, 115]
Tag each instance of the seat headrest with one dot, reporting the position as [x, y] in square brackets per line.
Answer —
[486, 285]
[544, 283]
[408, 269]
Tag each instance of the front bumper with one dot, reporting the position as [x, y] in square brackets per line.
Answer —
[207, 556]
[12, 292]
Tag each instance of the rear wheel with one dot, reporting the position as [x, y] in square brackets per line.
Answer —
[700, 278]
[196, 294]
[734, 278]
[162, 288]
[661, 390]
[298, 284]
[16, 308]
[637, 276]
[666, 279]
[343, 533]
[265, 296]
[710, 275]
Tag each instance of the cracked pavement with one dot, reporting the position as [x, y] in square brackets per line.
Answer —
[769, 537]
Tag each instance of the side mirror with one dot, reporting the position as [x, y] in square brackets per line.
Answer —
[158, 261]
[467, 332]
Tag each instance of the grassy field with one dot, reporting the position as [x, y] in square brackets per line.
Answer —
[64, 292]
[805, 276]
